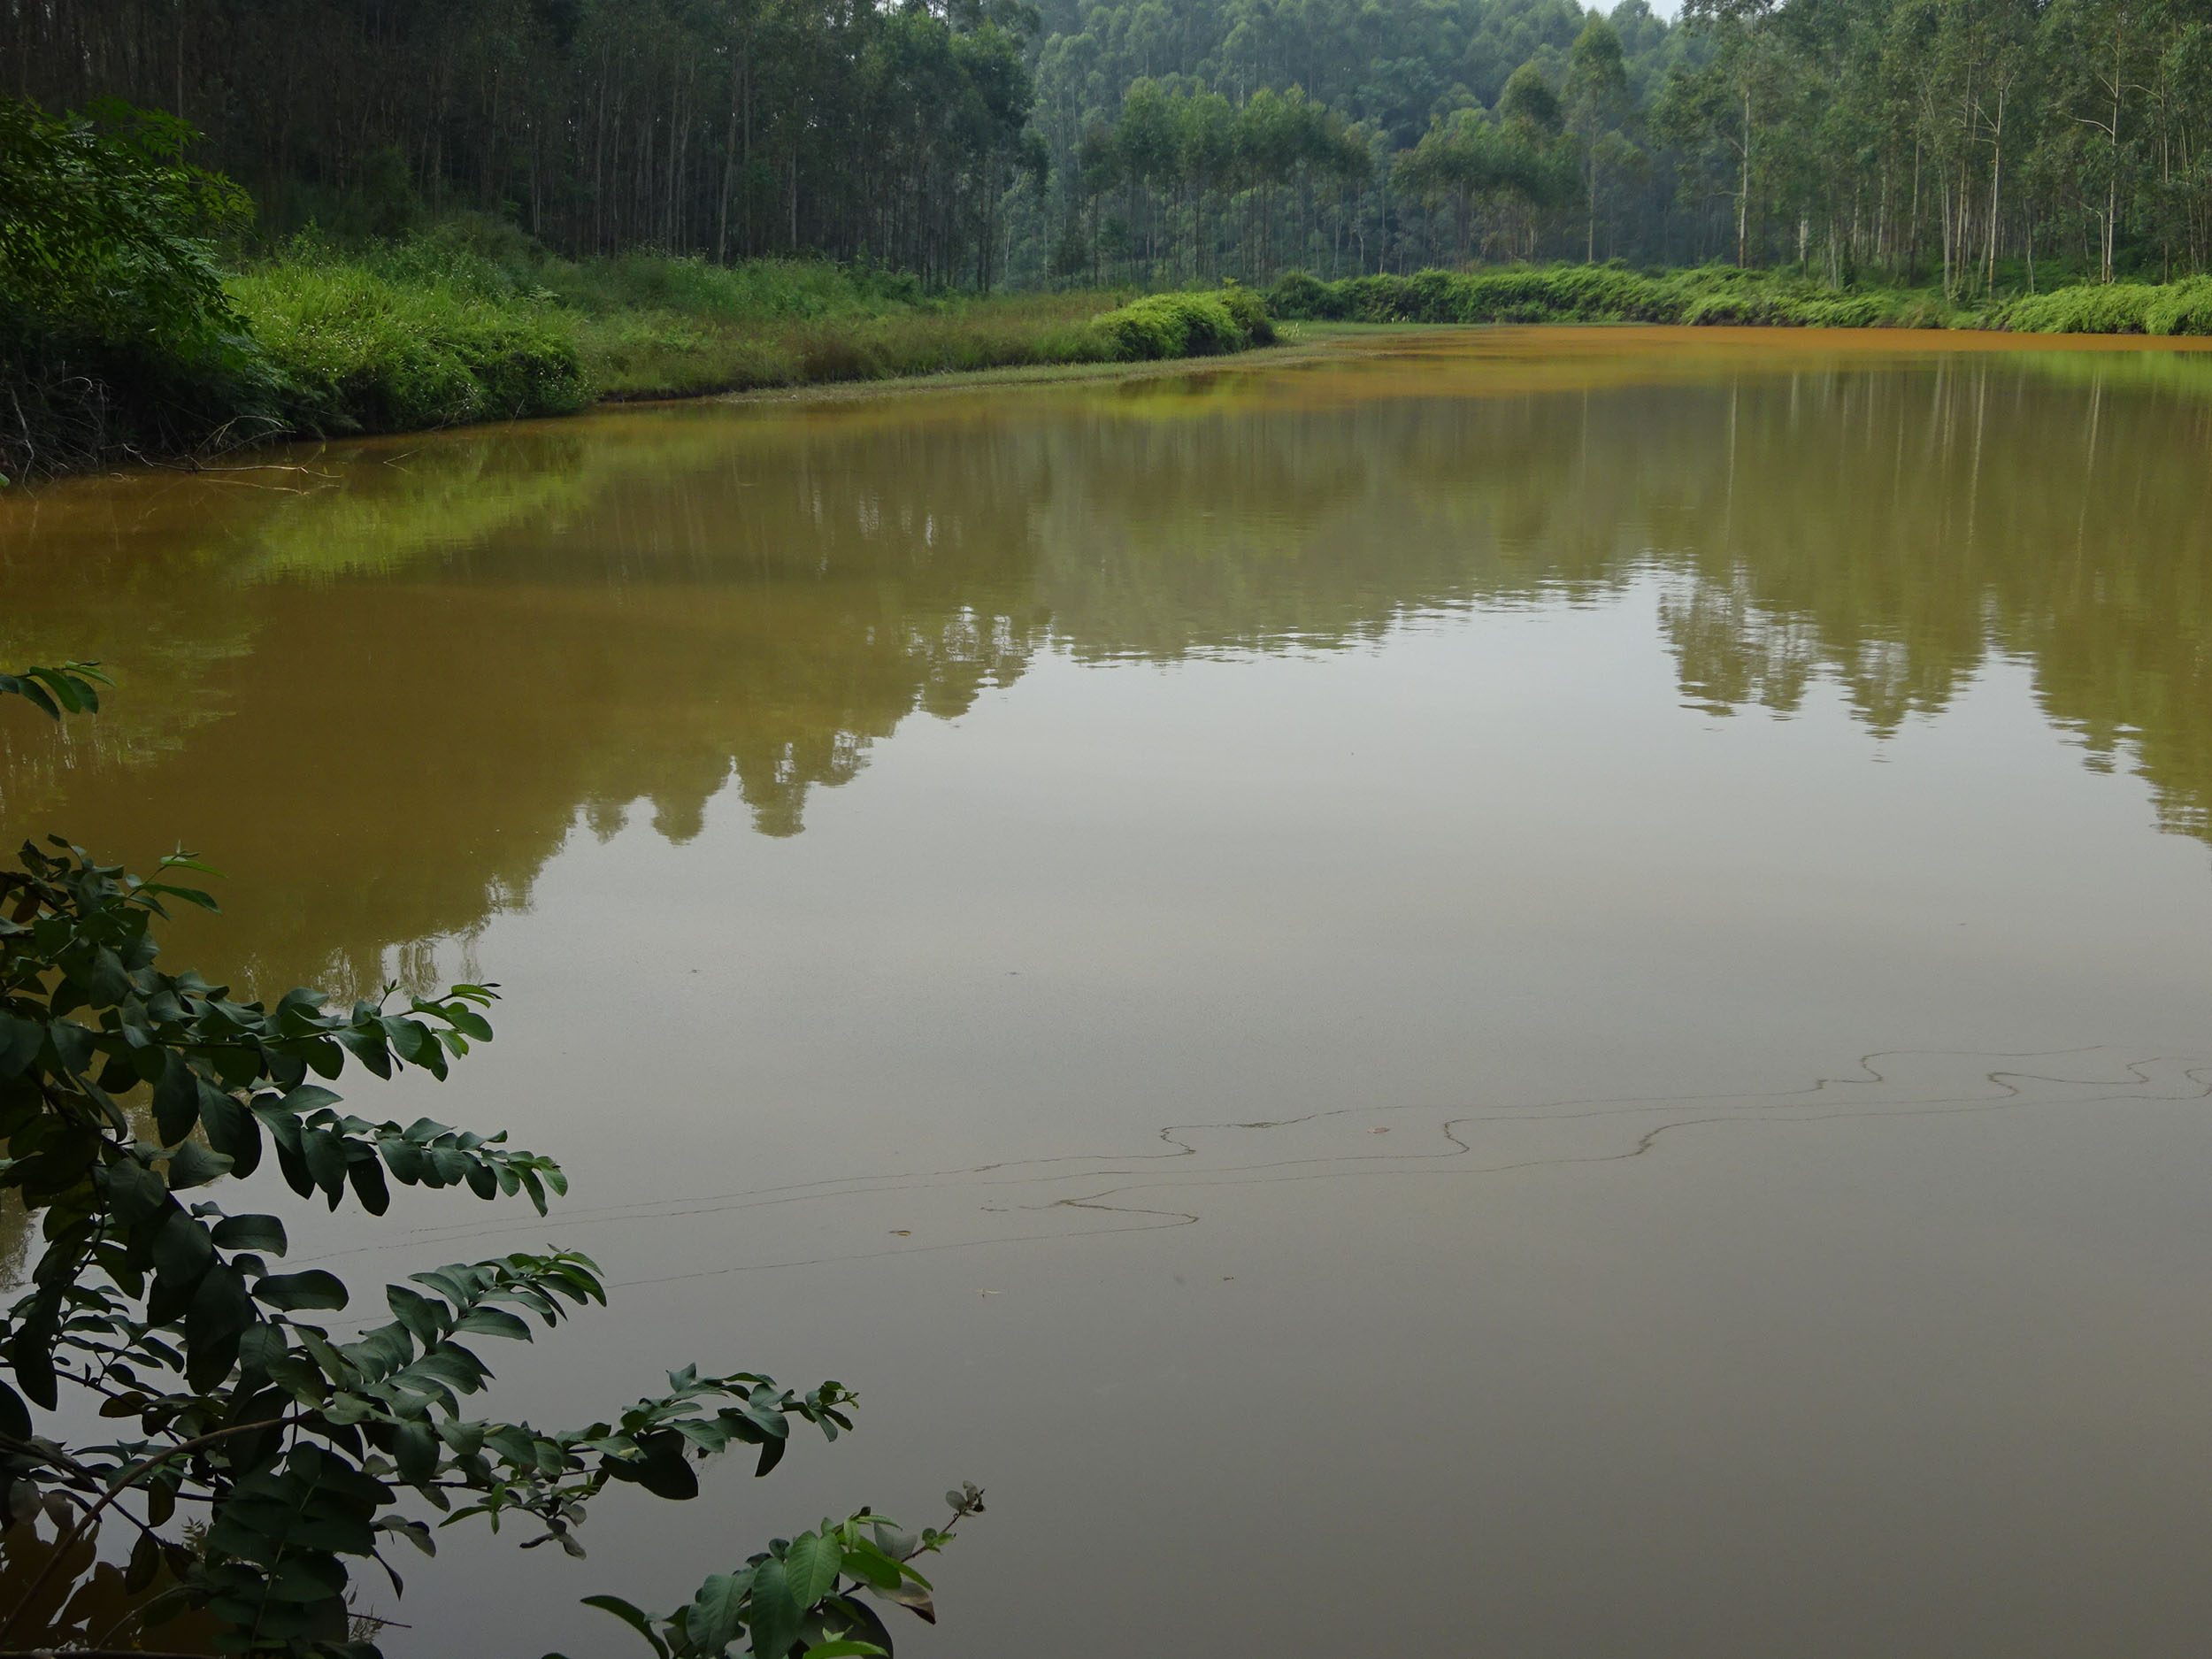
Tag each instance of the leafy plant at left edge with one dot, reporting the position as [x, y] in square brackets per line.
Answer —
[292, 1454]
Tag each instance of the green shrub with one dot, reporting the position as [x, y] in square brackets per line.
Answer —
[1250, 312]
[1173, 325]
[105, 228]
[2090, 309]
[2117, 308]
[363, 352]
[115, 338]
[1299, 297]
[469, 320]
[1714, 295]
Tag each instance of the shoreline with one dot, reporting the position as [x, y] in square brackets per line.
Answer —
[1289, 349]
[1298, 343]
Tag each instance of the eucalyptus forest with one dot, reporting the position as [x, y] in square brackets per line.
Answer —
[1969, 141]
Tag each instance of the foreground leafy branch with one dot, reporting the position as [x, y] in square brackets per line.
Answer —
[124, 1091]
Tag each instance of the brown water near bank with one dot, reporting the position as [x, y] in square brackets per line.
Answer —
[1571, 962]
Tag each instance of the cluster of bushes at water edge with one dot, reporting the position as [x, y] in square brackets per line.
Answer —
[445, 330]
[473, 321]
[337, 344]
[1716, 295]
[121, 335]
[2118, 308]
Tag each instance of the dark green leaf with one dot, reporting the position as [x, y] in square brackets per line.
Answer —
[220, 1312]
[716, 1614]
[307, 1577]
[775, 1612]
[73, 1044]
[15, 1416]
[415, 1449]
[494, 1322]
[771, 1451]
[864, 1562]
[811, 1567]
[19, 1041]
[635, 1618]
[144, 1563]
[134, 1190]
[367, 1177]
[367, 1046]
[192, 1164]
[425, 1319]
[307, 1098]
[250, 1233]
[106, 977]
[181, 1249]
[289, 1293]
[325, 1158]
[231, 1129]
[664, 1470]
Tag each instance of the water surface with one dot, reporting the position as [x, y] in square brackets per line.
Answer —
[1514, 993]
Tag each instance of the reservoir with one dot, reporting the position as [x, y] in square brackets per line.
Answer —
[1495, 992]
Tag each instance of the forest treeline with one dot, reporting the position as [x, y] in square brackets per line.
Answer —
[124, 336]
[727, 128]
[1976, 145]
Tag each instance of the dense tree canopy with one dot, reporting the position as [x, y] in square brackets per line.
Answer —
[1983, 144]
[1965, 140]
[731, 128]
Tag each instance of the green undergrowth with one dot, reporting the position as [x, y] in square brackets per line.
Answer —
[1723, 294]
[360, 351]
[1604, 294]
[2119, 308]
[475, 322]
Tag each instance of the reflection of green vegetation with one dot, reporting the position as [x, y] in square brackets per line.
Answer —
[2187, 373]
[401, 504]
[647, 607]
[285, 1450]
[86, 1603]
[72, 584]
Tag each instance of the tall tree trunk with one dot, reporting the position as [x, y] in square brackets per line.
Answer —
[1996, 175]
[1743, 182]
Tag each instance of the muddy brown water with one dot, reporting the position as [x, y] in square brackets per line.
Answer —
[1519, 993]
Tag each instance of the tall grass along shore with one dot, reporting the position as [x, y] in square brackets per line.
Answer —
[1717, 295]
[473, 322]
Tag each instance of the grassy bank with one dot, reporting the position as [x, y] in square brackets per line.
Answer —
[474, 323]
[1718, 294]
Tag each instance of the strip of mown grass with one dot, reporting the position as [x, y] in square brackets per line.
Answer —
[1718, 294]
